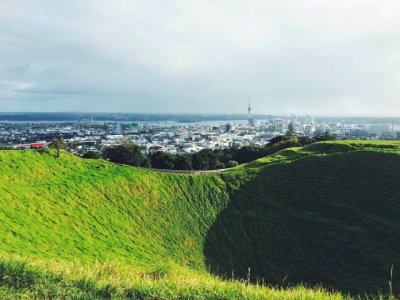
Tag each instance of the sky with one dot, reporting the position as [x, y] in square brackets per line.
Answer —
[323, 58]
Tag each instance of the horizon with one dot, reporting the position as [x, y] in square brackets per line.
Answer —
[193, 114]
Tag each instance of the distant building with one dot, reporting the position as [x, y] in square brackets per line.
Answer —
[39, 145]
[229, 127]
[114, 136]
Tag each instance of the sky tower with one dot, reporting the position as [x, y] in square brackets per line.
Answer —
[251, 121]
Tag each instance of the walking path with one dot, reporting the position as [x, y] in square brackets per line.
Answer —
[192, 172]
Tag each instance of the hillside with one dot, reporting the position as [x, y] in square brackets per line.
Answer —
[327, 213]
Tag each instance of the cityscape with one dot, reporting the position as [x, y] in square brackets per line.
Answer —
[186, 134]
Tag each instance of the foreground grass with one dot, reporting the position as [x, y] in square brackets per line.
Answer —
[19, 279]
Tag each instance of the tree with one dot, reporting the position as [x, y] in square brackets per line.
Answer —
[285, 142]
[248, 153]
[324, 136]
[305, 140]
[276, 140]
[162, 160]
[146, 163]
[200, 161]
[290, 132]
[58, 144]
[91, 155]
[183, 162]
[232, 163]
[218, 165]
[154, 149]
[125, 153]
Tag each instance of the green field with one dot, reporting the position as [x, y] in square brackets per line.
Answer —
[327, 214]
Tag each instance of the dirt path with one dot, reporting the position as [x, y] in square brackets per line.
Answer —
[191, 172]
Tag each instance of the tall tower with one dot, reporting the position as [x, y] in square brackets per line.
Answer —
[251, 121]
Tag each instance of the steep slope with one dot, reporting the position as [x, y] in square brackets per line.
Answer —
[94, 210]
[327, 213]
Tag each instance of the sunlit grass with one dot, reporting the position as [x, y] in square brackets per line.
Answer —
[51, 279]
[85, 229]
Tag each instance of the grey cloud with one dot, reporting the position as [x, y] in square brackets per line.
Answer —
[201, 56]
[54, 91]
[20, 69]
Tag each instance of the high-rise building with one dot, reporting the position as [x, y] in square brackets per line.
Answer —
[229, 127]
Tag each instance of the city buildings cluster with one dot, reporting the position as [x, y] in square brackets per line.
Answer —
[174, 137]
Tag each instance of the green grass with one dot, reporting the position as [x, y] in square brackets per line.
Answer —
[324, 214]
[97, 210]
[109, 280]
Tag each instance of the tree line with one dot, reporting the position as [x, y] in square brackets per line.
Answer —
[207, 159]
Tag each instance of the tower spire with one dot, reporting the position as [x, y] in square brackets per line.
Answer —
[251, 122]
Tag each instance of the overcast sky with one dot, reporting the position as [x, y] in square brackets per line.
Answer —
[303, 57]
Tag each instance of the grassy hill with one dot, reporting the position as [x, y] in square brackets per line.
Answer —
[327, 213]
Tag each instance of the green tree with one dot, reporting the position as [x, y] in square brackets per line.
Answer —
[162, 160]
[276, 139]
[305, 140]
[91, 155]
[146, 163]
[200, 161]
[248, 153]
[324, 136]
[290, 132]
[232, 163]
[218, 165]
[286, 142]
[125, 153]
[183, 162]
[58, 144]
[154, 149]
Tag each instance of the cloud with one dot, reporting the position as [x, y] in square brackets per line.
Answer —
[51, 90]
[21, 69]
[311, 56]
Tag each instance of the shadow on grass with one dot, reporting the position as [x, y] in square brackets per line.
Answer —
[326, 221]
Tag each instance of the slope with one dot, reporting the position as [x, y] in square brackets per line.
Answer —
[326, 213]
[94, 210]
